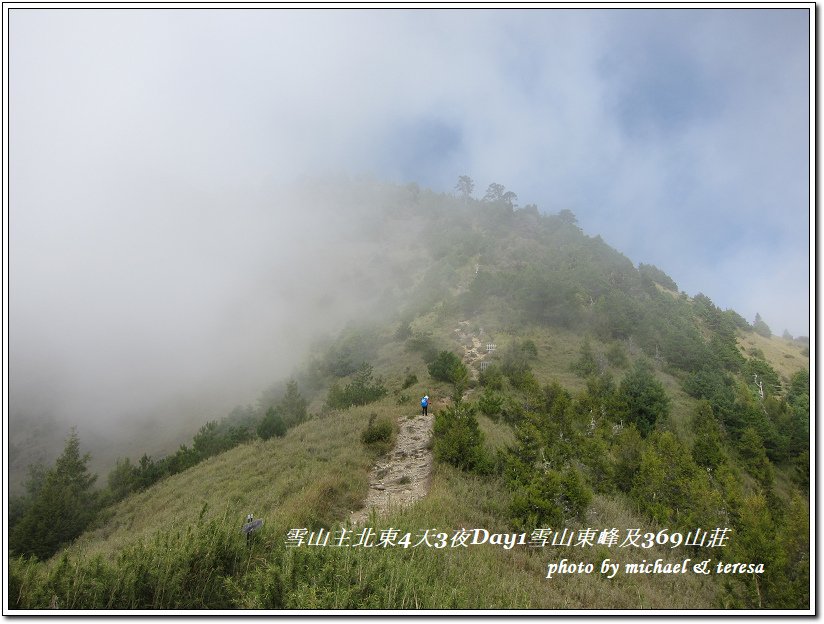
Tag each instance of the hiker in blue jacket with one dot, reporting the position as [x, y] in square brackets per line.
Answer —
[424, 405]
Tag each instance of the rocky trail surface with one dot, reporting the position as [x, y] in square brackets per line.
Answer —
[401, 478]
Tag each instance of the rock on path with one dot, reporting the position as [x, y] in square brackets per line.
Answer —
[402, 477]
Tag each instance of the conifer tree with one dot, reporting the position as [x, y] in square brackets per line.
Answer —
[62, 508]
[641, 399]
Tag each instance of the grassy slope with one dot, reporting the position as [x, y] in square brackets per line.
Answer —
[318, 472]
[785, 356]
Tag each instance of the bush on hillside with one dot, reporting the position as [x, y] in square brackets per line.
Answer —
[272, 425]
[364, 389]
[458, 440]
[379, 433]
[492, 377]
[447, 367]
[423, 344]
[549, 499]
[641, 399]
[491, 403]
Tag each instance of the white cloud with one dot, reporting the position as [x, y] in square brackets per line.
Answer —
[155, 139]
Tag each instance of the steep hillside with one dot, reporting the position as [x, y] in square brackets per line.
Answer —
[572, 391]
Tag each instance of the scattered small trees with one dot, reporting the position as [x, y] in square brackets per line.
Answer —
[760, 327]
[362, 390]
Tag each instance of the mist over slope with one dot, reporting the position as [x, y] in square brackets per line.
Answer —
[608, 397]
[178, 322]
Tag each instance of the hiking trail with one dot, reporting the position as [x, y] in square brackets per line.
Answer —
[401, 477]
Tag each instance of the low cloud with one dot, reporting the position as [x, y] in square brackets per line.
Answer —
[154, 249]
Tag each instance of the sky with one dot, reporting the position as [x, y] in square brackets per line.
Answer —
[679, 136]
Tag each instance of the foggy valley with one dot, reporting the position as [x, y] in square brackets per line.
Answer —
[515, 268]
[166, 329]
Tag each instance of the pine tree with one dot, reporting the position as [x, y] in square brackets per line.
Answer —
[272, 425]
[293, 405]
[64, 505]
[751, 447]
[760, 327]
[641, 399]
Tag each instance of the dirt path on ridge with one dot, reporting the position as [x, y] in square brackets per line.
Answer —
[402, 477]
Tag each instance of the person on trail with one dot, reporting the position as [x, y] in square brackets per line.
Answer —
[424, 405]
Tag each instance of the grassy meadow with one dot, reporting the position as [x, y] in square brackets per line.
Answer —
[179, 543]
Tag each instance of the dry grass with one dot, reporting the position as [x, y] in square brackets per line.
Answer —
[278, 480]
[318, 473]
[516, 578]
[497, 435]
[785, 356]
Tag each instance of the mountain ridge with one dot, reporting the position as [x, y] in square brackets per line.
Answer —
[516, 278]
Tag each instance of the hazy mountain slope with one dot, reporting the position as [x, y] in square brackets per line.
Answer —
[616, 402]
[309, 479]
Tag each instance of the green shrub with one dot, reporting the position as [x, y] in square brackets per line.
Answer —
[448, 367]
[272, 425]
[585, 365]
[492, 377]
[529, 349]
[491, 403]
[410, 380]
[617, 356]
[458, 440]
[361, 391]
[550, 498]
[641, 399]
[515, 364]
[379, 434]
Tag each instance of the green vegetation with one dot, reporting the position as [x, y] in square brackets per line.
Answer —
[362, 390]
[760, 327]
[612, 401]
[448, 367]
[458, 439]
[61, 505]
[379, 434]
[656, 275]
[641, 399]
[271, 425]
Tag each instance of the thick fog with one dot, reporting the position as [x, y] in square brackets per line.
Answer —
[172, 315]
[167, 263]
